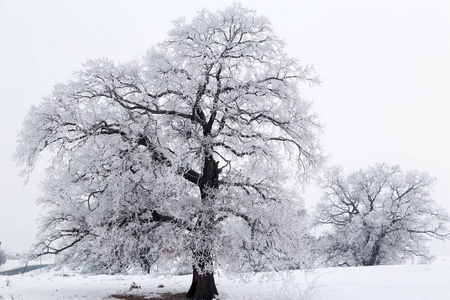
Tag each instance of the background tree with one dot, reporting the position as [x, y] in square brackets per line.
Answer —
[2, 257]
[380, 215]
[181, 157]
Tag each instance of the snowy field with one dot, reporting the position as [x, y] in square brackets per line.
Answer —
[407, 282]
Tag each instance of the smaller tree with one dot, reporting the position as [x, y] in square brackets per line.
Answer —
[2, 257]
[379, 215]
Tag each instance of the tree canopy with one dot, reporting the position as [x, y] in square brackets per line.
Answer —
[181, 157]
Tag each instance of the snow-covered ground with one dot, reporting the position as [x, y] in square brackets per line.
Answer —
[407, 282]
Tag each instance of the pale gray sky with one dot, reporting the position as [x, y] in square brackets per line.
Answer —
[385, 66]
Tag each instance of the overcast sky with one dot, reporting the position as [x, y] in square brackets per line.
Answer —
[385, 67]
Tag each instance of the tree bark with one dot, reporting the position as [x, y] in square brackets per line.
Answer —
[203, 286]
[372, 261]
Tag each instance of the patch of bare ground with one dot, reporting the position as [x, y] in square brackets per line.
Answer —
[163, 296]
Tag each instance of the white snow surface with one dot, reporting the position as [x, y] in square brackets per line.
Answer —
[405, 282]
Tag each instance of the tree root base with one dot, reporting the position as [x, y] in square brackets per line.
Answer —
[163, 296]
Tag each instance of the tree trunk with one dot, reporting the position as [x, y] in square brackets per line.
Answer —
[376, 248]
[372, 261]
[203, 286]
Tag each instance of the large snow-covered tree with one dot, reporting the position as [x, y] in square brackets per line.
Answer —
[378, 215]
[180, 158]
